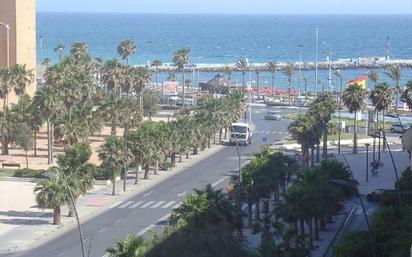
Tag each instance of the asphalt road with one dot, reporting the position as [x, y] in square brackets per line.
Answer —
[148, 210]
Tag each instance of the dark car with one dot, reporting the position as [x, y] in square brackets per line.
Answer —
[377, 194]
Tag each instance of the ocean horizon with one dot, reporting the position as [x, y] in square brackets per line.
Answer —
[225, 38]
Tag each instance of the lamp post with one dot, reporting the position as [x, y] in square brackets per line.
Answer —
[329, 56]
[338, 74]
[300, 66]
[7, 27]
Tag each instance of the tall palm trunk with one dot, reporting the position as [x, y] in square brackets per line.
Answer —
[138, 167]
[317, 153]
[325, 142]
[312, 159]
[48, 142]
[157, 80]
[310, 233]
[146, 171]
[5, 147]
[27, 159]
[244, 83]
[273, 82]
[52, 141]
[355, 133]
[114, 180]
[35, 142]
[383, 129]
[183, 86]
[289, 89]
[257, 210]
[56, 215]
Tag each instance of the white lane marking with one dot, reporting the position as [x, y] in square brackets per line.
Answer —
[148, 193]
[219, 181]
[116, 204]
[152, 225]
[126, 204]
[136, 204]
[274, 132]
[147, 204]
[117, 221]
[182, 194]
[168, 204]
[157, 204]
[267, 132]
[177, 205]
[106, 255]
[62, 253]
[101, 230]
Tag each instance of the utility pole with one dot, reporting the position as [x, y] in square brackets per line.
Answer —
[387, 48]
[300, 67]
[316, 58]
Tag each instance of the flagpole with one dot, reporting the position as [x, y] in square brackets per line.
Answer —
[316, 59]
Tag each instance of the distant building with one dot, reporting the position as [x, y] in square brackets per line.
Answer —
[217, 85]
[21, 16]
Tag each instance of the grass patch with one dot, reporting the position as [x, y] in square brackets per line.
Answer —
[21, 173]
[4, 172]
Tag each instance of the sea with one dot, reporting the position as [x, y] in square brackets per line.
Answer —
[219, 38]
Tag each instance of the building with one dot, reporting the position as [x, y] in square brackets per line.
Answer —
[21, 16]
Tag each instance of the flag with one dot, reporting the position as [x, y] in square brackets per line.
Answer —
[361, 81]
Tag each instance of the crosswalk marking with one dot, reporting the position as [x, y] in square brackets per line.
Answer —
[116, 204]
[177, 205]
[157, 204]
[147, 204]
[136, 204]
[168, 204]
[126, 204]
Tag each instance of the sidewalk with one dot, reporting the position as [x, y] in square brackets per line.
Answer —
[26, 227]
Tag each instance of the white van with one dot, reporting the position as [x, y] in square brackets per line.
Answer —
[240, 132]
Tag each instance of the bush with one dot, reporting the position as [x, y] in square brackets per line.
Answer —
[354, 244]
[104, 173]
[166, 165]
[29, 173]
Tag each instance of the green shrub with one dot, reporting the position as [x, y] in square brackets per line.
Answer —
[29, 173]
[166, 165]
[102, 173]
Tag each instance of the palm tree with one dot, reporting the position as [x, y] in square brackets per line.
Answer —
[257, 72]
[59, 49]
[46, 62]
[381, 98]
[228, 71]
[110, 109]
[243, 66]
[156, 64]
[52, 193]
[271, 66]
[354, 98]
[78, 50]
[374, 76]
[141, 77]
[305, 79]
[48, 103]
[289, 71]
[132, 246]
[114, 156]
[322, 109]
[15, 78]
[394, 71]
[125, 49]
[180, 59]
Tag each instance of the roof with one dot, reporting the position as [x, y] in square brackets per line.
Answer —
[240, 124]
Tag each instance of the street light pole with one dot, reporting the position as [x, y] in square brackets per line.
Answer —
[367, 161]
[339, 75]
[316, 59]
[300, 66]
[330, 68]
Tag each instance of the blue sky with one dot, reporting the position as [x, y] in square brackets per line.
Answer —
[230, 6]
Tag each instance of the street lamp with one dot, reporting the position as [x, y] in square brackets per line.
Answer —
[329, 56]
[7, 27]
[338, 74]
[300, 66]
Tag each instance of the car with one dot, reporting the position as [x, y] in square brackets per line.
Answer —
[272, 115]
[377, 194]
[398, 127]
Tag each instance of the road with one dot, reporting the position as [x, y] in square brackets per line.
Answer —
[148, 209]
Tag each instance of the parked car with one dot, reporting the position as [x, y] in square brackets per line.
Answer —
[398, 128]
[272, 115]
[377, 194]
